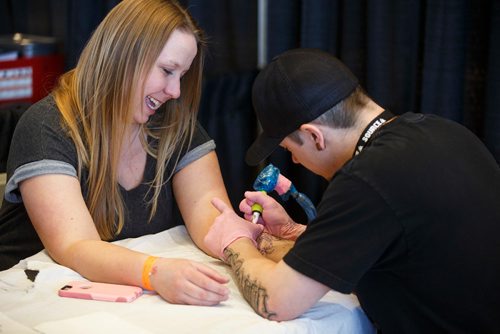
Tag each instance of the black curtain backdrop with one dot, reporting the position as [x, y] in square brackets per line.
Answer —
[438, 57]
[434, 57]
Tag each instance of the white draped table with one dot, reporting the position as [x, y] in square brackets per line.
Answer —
[35, 307]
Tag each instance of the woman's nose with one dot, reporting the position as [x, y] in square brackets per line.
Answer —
[173, 88]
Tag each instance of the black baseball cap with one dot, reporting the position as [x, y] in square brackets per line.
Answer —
[296, 87]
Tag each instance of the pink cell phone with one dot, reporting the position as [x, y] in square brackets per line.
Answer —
[100, 291]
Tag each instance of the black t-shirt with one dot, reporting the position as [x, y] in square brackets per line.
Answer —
[412, 226]
[40, 146]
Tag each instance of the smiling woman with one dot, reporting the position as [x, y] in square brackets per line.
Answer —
[163, 81]
[115, 152]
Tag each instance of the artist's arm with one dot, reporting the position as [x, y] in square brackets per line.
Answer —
[274, 290]
[194, 186]
[60, 216]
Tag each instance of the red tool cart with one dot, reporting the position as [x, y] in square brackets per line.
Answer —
[29, 67]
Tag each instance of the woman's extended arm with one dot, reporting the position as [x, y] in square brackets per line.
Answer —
[60, 216]
[194, 187]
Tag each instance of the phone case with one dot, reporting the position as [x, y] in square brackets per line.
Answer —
[100, 291]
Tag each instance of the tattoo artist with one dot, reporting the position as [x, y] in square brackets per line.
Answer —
[410, 220]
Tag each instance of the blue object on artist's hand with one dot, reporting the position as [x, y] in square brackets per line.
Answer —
[267, 179]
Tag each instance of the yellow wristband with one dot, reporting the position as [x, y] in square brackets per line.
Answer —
[146, 272]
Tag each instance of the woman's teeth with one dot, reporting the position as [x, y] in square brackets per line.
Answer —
[152, 102]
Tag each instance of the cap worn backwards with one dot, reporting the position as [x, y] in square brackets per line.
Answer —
[295, 88]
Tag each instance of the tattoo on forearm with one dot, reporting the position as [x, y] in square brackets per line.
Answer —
[254, 293]
[265, 242]
[272, 247]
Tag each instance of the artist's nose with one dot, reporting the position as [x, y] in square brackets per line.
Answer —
[173, 88]
[294, 159]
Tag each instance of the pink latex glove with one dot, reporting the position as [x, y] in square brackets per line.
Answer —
[228, 227]
[274, 217]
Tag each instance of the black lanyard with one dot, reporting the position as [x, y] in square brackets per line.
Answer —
[370, 129]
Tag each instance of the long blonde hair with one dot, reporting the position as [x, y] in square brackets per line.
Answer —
[96, 100]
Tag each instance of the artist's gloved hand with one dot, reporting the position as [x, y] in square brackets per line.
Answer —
[274, 217]
[228, 227]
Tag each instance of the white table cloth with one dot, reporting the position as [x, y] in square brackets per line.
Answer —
[35, 307]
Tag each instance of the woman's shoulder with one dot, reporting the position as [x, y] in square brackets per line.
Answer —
[45, 109]
[40, 126]
[44, 114]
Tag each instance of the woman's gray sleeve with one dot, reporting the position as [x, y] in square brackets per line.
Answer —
[195, 154]
[32, 169]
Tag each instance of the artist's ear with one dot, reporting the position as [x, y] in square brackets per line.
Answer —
[314, 133]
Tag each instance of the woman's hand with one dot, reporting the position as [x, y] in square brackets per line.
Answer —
[275, 219]
[181, 281]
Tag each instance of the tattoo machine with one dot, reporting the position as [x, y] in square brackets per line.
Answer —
[270, 179]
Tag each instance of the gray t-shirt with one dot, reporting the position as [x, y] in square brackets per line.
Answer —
[40, 146]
